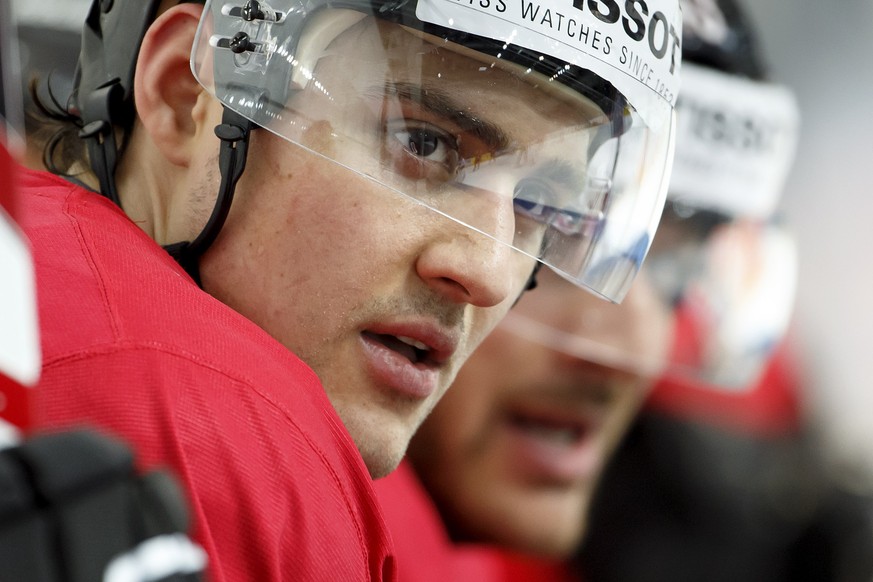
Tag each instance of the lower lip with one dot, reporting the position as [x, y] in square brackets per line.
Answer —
[545, 459]
[395, 371]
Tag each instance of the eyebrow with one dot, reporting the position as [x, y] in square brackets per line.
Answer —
[443, 105]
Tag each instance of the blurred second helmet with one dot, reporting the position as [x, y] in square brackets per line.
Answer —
[720, 260]
[721, 257]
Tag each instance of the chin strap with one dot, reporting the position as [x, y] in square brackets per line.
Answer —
[532, 281]
[234, 135]
[104, 105]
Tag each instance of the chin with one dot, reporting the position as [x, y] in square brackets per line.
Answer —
[564, 547]
[551, 544]
[381, 453]
[380, 436]
[551, 530]
[380, 464]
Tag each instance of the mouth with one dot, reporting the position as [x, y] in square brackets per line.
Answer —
[553, 445]
[552, 430]
[408, 359]
[412, 349]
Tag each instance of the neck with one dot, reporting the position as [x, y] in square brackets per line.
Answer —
[146, 183]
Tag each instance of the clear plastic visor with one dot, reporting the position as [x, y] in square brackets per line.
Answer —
[605, 341]
[726, 274]
[709, 307]
[718, 265]
[574, 181]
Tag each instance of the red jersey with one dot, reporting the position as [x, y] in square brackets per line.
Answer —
[425, 553]
[769, 406]
[277, 488]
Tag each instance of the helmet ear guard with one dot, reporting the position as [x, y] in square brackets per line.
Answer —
[103, 82]
[103, 101]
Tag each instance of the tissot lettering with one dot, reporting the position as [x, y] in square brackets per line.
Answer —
[661, 34]
[640, 38]
[656, 44]
[496, 5]
[634, 24]
[571, 27]
[612, 12]
[741, 132]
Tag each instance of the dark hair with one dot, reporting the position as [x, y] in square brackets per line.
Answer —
[54, 129]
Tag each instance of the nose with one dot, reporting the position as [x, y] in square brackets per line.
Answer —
[630, 338]
[469, 267]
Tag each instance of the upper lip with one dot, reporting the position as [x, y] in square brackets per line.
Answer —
[573, 410]
[441, 342]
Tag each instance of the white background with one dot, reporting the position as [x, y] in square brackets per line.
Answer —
[824, 50]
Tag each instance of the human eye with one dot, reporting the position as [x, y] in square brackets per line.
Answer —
[538, 200]
[423, 142]
[531, 200]
[421, 151]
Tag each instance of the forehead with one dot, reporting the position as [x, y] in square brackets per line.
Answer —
[381, 53]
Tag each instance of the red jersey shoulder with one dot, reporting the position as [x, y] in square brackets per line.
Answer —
[134, 347]
[425, 552]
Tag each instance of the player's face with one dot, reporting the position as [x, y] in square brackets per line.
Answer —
[514, 450]
[381, 296]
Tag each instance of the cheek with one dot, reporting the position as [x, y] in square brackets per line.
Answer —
[312, 214]
[333, 211]
[469, 410]
[459, 424]
[482, 323]
[282, 234]
[502, 348]
[629, 398]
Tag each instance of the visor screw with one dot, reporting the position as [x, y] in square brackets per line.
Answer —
[252, 11]
[239, 43]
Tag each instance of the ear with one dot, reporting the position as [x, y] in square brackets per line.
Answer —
[165, 90]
